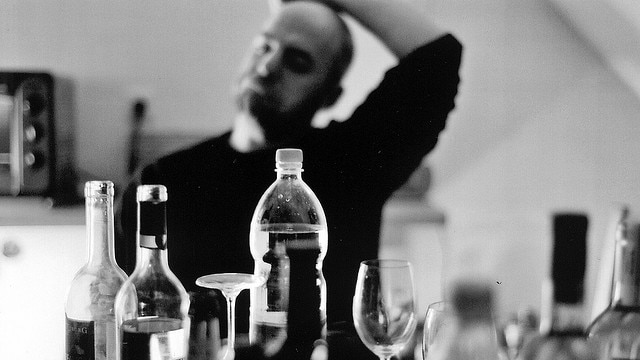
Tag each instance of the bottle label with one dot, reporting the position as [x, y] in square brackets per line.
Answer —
[80, 340]
[275, 318]
[153, 241]
[166, 345]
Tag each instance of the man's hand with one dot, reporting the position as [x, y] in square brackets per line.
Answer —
[204, 340]
[204, 335]
[383, 19]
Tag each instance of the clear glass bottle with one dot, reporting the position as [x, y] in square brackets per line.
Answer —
[472, 334]
[152, 306]
[288, 229]
[518, 329]
[617, 329]
[90, 318]
[562, 329]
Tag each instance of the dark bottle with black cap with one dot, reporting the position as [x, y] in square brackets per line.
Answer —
[305, 322]
[562, 322]
[152, 305]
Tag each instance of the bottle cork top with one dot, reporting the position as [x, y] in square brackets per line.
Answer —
[154, 193]
[98, 188]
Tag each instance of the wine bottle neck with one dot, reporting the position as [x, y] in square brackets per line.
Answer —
[152, 258]
[626, 276]
[99, 214]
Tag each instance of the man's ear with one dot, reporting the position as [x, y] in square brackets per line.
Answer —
[332, 96]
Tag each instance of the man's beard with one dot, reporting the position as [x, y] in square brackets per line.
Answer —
[278, 126]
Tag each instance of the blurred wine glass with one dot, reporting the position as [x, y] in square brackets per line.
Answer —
[384, 306]
[438, 316]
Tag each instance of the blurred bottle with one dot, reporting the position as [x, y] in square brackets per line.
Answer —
[617, 329]
[288, 243]
[562, 327]
[90, 319]
[518, 329]
[152, 306]
[473, 334]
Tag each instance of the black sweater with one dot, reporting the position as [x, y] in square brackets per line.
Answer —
[353, 167]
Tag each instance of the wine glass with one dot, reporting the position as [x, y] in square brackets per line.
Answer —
[384, 306]
[438, 317]
[230, 284]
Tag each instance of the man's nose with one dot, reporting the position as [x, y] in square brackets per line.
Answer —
[269, 63]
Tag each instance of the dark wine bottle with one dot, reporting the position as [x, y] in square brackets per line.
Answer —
[152, 306]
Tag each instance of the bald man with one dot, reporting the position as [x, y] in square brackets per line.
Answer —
[294, 69]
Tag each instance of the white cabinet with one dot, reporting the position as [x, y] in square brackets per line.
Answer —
[35, 274]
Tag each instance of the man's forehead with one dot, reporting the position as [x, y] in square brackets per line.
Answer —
[307, 23]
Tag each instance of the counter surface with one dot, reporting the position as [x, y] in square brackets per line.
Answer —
[38, 211]
[48, 246]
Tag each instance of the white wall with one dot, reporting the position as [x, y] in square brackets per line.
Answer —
[182, 57]
[179, 55]
[541, 125]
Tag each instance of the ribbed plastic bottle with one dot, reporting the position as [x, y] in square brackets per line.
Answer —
[288, 243]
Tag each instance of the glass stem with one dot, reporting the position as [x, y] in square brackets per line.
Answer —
[231, 322]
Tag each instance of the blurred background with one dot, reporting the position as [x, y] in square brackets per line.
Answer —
[546, 117]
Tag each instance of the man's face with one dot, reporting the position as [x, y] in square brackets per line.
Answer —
[285, 75]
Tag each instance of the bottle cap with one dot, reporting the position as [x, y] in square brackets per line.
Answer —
[569, 256]
[98, 188]
[288, 156]
[152, 216]
[154, 193]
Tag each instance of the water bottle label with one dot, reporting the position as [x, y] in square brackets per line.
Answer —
[167, 345]
[80, 340]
